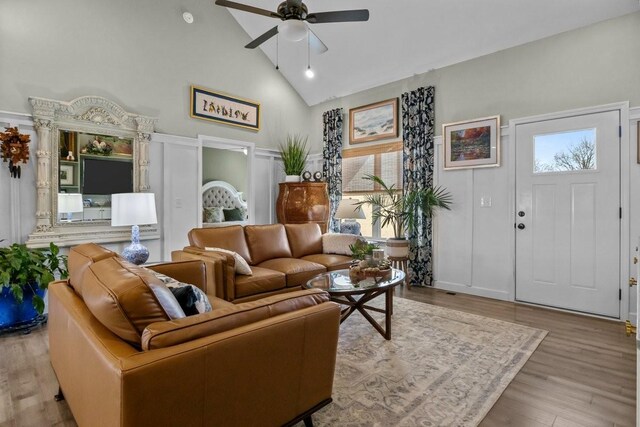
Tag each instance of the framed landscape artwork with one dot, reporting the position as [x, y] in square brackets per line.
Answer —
[472, 143]
[374, 121]
[67, 175]
[222, 108]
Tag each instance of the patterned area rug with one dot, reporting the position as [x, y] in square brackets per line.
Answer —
[441, 368]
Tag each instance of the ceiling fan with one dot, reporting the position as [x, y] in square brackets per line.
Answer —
[293, 14]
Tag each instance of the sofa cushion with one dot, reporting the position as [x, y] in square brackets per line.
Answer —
[266, 242]
[126, 298]
[230, 238]
[262, 280]
[304, 239]
[80, 258]
[298, 271]
[166, 334]
[338, 243]
[331, 261]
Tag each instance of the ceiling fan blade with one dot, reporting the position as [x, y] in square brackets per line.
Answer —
[316, 44]
[263, 38]
[245, 8]
[339, 16]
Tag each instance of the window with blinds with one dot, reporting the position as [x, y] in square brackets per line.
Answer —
[383, 160]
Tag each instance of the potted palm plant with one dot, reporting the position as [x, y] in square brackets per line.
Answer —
[25, 274]
[401, 210]
[294, 157]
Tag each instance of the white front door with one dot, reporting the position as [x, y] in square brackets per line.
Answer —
[568, 213]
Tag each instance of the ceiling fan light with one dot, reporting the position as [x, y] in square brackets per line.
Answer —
[309, 73]
[293, 30]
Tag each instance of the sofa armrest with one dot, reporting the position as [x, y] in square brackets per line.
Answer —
[173, 332]
[220, 270]
[193, 272]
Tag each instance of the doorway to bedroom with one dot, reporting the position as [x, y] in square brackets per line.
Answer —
[226, 185]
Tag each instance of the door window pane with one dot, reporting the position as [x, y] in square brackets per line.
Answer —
[565, 151]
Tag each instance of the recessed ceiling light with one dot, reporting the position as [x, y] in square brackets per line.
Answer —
[188, 18]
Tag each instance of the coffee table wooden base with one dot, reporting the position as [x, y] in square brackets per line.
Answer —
[359, 304]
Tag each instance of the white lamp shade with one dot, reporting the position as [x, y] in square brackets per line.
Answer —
[293, 30]
[70, 202]
[133, 209]
[348, 209]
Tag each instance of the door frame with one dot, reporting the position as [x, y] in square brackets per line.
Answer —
[623, 109]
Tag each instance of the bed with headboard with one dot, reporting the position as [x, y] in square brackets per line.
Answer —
[221, 196]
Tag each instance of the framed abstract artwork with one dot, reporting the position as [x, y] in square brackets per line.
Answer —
[472, 143]
[222, 108]
[374, 121]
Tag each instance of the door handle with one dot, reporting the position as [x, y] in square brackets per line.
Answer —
[521, 226]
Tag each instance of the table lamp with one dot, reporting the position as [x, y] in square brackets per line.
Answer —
[349, 210]
[134, 209]
[68, 203]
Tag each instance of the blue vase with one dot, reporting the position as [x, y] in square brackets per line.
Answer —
[13, 314]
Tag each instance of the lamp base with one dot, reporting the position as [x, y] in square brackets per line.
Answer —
[350, 227]
[135, 253]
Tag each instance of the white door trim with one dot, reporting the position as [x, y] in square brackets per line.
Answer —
[623, 108]
[222, 143]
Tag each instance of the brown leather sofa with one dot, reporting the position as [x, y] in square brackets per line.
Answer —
[121, 361]
[282, 258]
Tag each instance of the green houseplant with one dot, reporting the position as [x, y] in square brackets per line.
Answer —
[401, 210]
[25, 274]
[294, 155]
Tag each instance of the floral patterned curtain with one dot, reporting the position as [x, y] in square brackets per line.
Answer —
[418, 120]
[332, 166]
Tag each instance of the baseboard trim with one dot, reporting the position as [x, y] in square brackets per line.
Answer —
[473, 290]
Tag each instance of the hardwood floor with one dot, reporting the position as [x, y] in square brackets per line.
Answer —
[582, 374]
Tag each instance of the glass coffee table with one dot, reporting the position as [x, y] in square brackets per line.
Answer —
[356, 296]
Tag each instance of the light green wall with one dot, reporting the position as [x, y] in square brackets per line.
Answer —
[225, 165]
[142, 55]
[590, 66]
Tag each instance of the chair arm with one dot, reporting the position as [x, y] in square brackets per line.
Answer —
[169, 333]
[193, 272]
[220, 269]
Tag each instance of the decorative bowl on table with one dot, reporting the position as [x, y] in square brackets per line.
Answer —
[369, 269]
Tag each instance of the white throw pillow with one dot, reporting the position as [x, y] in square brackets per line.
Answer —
[201, 304]
[338, 243]
[242, 266]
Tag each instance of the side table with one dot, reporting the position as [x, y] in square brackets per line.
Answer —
[401, 263]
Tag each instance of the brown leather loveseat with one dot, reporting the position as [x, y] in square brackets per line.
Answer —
[124, 357]
[281, 258]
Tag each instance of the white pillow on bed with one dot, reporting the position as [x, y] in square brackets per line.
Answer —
[338, 243]
[242, 267]
[213, 214]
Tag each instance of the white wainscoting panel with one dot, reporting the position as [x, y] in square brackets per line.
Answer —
[181, 184]
[472, 244]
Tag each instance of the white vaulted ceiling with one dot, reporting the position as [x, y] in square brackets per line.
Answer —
[407, 37]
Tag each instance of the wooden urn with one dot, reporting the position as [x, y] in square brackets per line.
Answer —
[303, 202]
